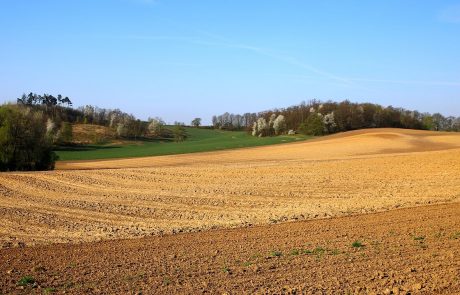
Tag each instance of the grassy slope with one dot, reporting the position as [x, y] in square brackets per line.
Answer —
[199, 140]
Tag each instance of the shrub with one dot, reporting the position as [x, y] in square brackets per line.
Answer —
[180, 134]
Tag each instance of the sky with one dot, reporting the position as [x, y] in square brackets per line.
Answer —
[195, 58]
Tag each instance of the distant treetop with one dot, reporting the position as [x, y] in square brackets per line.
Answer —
[45, 99]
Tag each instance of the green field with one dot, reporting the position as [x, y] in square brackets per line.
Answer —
[199, 140]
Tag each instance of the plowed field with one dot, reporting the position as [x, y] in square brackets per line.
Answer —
[404, 251]
[348, 177]
[352, 173]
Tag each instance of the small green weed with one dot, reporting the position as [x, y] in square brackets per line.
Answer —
[276, 254]
[319, 250]
[256, 256]
[335, 252]
[357, 244]
[27, 280]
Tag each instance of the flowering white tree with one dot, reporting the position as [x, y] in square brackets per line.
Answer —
[52, 131]
[113, 119]
[122, 130]
[50, 126]
[254, 129]
[262, 127]
[276, 124]
[155, 126]
[329, 122]
[279, 125]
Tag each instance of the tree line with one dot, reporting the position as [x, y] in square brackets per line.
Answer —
[31, 128]
[60, 114]
[320, 118]
[36, 124]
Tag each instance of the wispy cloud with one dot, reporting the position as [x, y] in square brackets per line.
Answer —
[416, 82]
[343, 81]
[145, 37]
[450, 14]
[214, 40]
[180, 64]
[288, 59]
[148, 2]
[220, 41]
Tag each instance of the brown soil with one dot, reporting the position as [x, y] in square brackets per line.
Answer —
[404, 251]
[202, 191]
[353, 175]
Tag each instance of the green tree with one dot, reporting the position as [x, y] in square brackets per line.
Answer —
[314, 125]
[179, 132]
[66, 132]
[427, 122]
[196, 122]
[24, 143]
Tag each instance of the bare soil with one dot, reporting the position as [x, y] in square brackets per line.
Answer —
[338, 176]
[404, 251]
[381, 211]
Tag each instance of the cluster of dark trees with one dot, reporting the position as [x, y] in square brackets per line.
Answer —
[31, 128]
[318, 118]
[26, 143]
[44, 100]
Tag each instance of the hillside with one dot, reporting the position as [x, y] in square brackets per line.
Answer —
[357, 172]
[92, 134]
[354, 144]
[199, 140]
[183, 207]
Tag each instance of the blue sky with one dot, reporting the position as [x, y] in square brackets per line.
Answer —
[184, 59]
